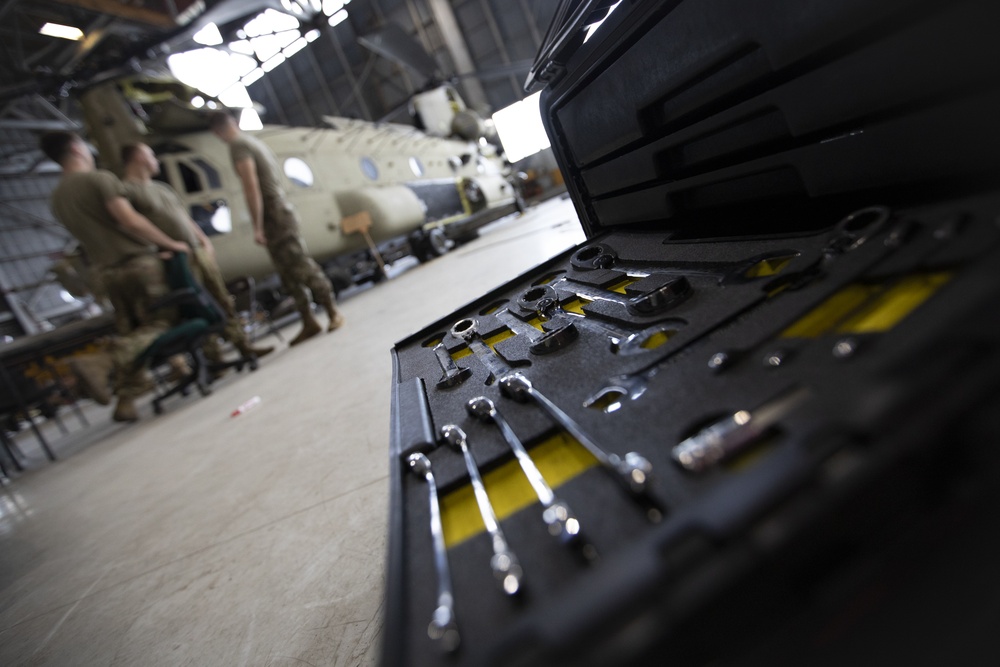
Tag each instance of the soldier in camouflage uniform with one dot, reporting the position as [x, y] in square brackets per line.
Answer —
[160, 203]
[276, 226]
[122, 247]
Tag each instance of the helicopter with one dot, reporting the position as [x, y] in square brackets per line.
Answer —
[429, 190]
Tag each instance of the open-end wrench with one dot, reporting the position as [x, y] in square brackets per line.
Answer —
[632, 472]
[451, 373]
[504, 563]
[557, 515]
[468, 330]
[443, 627]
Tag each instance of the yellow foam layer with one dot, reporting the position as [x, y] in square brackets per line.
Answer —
[559, 459]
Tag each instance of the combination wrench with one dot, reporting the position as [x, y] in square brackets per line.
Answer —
[443, 627]
[505, 566]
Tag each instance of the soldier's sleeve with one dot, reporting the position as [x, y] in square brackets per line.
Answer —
[109, 185]
[238, 150]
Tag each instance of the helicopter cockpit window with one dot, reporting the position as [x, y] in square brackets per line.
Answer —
[214, 218]
[416, 166]
[369, 168]
[298, 172]
[192, 181]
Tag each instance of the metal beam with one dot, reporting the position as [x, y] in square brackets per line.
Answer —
[452, 36]
[324, 88]
[327, 30]
[491, 21]
[293, 79]
[271, 93]
[37, 125]
[125, 11]
[529, 18]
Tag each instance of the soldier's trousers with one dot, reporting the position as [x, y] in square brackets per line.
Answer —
[298, 272]
[206, 272]
[132, 286]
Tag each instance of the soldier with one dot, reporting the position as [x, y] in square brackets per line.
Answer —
[160, 203]
[276, 226]
[122, 247]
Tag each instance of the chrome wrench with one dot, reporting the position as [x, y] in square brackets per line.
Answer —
[442, 627]
[632, 472]
[561, 521]
[504, 563]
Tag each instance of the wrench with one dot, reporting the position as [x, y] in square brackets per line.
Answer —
[442, 627]
[632, 472]
[504, 563]
[468, 330]
[452, 373]
[555, 338]
[557, 515]
[544, 301]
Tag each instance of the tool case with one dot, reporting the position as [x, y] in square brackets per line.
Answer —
[751, 420]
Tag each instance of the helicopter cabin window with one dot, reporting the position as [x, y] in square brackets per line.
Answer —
[416, 166]
[214, 217]
[298, 172]
[210, 172]
[369, 168]
[191, 179]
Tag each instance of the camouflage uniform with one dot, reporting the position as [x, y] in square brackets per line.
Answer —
[298, 271]
[130, 270]
[160, 203]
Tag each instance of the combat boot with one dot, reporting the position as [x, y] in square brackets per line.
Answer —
[248, 350]
[336, 319]
[310, 327]
[125, 411]
[93, 372]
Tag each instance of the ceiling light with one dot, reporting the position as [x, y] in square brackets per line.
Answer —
[209, 35]
[338, 17]
[63, 31]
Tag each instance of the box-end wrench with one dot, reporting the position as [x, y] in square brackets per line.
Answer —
[561, 521]
[505, 566]
[443, 627]
[632, 472]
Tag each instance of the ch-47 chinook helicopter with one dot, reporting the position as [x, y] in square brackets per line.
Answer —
[412, 184]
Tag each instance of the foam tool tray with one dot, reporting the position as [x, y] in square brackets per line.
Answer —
[698, 409]
[752, 419]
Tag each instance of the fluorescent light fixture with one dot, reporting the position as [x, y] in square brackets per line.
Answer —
[520, 128]
[241, 46]
[62, 31]
[209, 35]
[312, 35]
[250, 120]
[236, 97]
[316, 4]
[252, 77]
[273, 62]
[331, 6]
[338, 17]
[295, 47]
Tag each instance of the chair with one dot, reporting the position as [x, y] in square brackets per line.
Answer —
[244, 291]
[199, 317]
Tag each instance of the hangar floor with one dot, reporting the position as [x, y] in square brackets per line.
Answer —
[198, 539]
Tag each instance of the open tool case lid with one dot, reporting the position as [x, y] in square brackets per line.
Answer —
[744, 128]
[676, 115]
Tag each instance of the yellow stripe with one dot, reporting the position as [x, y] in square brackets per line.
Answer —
[897, 302]
[620, 286]
[560, 459]
[868, 308]
[769, 267]
[576, 305]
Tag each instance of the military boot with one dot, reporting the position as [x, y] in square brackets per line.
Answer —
[93, 372]
[310, 327]
[247, 350]
[125, 411]
[336, 319]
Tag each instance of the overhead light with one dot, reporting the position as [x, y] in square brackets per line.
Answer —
[62, 31]
[520, 128]
[331, 6]
[209, 35]
[312, 35]
[338, 17]
[273, 62]
[250, 120]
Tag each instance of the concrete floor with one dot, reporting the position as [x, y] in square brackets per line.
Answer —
[194, 538]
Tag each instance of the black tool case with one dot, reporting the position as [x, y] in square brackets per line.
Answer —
[763, 395]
